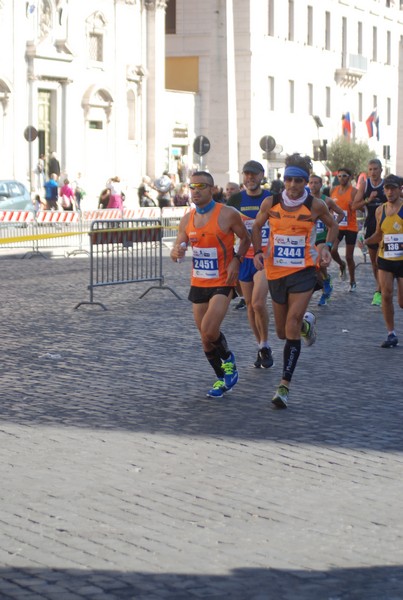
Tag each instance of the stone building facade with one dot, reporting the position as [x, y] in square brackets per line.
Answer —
[123, 87]
[88, 78]
[289, 70]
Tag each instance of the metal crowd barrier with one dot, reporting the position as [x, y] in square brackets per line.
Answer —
[170, 218]
[66, 229]
[35, 232]
[125, 251]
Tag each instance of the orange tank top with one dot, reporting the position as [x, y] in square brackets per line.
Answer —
[292, 240]
[212, 251]
[343, 200]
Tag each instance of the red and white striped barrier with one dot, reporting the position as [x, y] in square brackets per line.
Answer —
[53, 216]
[102, 213]
[16, 216]
[174, 212]
[142, 213]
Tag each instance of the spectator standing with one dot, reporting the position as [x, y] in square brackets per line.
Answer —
[164, 185]
[182, 197]
[144, 193]
[103, 199]
[52, 192]
[54, 165]
[40, 172]
[114, 186]
[67, 198]
[79, 191]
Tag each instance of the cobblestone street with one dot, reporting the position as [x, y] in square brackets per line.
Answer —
[121, 480]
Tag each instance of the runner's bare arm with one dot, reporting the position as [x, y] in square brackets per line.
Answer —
[376, 237]
[236, 224]
[260, 220]
[321, 211]
[177, 251]
[331, 204]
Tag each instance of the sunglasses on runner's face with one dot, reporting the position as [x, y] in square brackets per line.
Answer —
[343, 175]
[199, 186]
[294, 179]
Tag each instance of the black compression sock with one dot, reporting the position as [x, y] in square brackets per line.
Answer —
[292, 349]
[215, 361]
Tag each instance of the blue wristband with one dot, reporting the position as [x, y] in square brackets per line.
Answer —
[329, 245]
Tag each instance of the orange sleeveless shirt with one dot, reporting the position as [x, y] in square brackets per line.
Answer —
[292, 241]
[212, 250]
[343, 201]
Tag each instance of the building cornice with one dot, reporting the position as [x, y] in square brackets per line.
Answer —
[155, 4]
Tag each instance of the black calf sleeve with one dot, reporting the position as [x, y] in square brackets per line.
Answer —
[221, 347]
[215, 361]
[292, 349]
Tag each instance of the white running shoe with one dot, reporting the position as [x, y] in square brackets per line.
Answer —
[308, 332]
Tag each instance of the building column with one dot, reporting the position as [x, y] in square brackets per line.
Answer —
[155, 35]
[233, 173]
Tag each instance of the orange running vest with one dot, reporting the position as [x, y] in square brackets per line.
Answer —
[343, 200]
[212, 250]
[292, 240]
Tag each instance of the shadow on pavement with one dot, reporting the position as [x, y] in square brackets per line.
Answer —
[372, 583]
[139, 366]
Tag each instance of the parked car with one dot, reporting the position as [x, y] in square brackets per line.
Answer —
[14, 196]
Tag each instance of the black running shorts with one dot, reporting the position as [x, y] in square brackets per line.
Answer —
[392, 266]
[200, 295]
[301, 281]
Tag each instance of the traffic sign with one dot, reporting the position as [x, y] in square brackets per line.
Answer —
[267, 143]
[201, 145]
[30, 133]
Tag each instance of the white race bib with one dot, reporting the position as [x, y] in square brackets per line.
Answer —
[393, 245]
[344, 221]
[289, 250]
[205, 263]
[265, 231]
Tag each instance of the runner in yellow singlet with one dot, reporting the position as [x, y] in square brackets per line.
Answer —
[389, 235]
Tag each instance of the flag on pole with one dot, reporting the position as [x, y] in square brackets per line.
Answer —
[373, 120]
[346, 125]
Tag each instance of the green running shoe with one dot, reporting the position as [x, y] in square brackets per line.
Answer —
[280, 398]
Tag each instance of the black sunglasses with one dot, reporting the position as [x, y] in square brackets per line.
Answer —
[295, 179]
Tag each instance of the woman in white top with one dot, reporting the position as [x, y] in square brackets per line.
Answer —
[115, 199]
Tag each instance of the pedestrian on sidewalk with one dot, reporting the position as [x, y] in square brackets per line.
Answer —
[292, 260]
[116, 196]
[52, 192]
[210, 230]
[389, 235]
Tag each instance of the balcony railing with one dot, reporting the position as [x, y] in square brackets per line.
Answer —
[353, 67]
